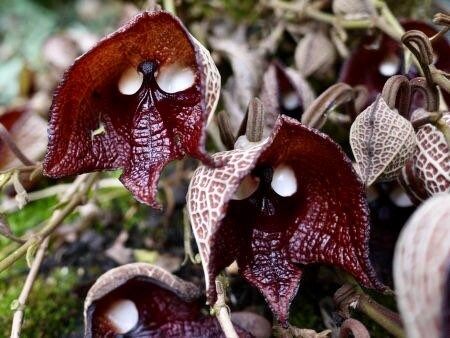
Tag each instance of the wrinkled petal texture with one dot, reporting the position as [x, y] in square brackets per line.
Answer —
[93, 126]
[421, 265]
[363, 67]
[432, 158]
[272, 237]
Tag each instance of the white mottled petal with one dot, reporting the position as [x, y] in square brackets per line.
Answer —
[284, 182]
[247, 187]
[123, 315]
[174, 78]
[390, 65]
[130, 81]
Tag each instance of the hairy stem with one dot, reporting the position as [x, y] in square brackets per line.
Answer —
[223, 312]
[19, 312]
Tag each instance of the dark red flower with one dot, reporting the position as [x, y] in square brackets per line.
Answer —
[99, 123]
[276, 206]
[284, 91]
[141, 300]
[373, 62]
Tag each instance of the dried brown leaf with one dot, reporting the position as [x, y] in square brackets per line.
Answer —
[315, 53]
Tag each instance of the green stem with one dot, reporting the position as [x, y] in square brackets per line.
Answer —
[335, 21]
[169, 6]
[386, 318]
[56, 220]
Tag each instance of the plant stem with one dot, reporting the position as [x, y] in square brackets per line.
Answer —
[223, 313]
[55, 221]
[352, 296]
[383, 316]
[169, 6]
[18, 314]
[8, 140]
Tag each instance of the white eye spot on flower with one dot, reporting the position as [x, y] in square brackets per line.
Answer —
[284, 182]
[400, 198]
[290, 100]
[174, 79]
[247, 187]
[130, 81]
[123, 315]
[390, 65]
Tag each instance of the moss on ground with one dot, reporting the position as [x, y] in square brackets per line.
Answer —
[53, 309]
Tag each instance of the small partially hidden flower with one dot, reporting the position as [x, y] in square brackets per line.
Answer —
[136, 101]
[284, 91]
[428, 171]
[278, 205]
[421, 269]
[374, 61]
[382, 141]
[142, 300]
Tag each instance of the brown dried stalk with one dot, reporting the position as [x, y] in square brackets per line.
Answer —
[7, 139]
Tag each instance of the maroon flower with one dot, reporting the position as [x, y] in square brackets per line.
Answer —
[291, 200]
[141, 300]
[373, 62]
[139, 99]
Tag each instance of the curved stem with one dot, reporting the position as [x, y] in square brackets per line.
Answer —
[339, 94]
[420, 84]
[7, 139]
[353, 296]
[353, 327]
[397, 94]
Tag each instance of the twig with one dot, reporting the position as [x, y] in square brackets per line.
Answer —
[54, 222]
[18, 314]
[223, 312]
[7, 139]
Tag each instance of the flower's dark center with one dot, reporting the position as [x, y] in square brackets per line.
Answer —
[148, 69]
